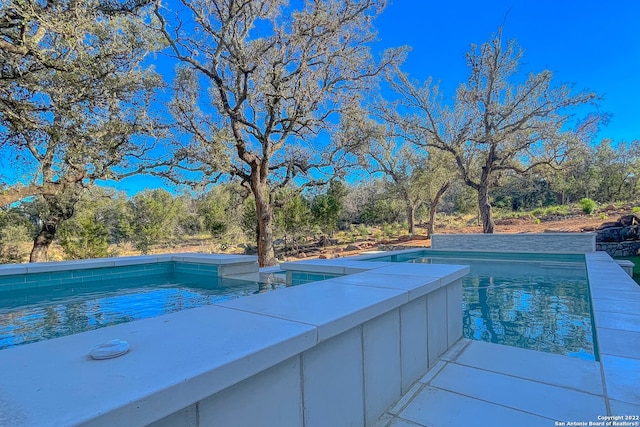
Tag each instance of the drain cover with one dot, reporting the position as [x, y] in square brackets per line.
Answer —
[110, 349]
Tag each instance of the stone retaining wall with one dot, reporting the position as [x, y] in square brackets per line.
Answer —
[525, 242]
[619, 249]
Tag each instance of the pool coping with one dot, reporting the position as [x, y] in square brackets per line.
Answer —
[47, 267]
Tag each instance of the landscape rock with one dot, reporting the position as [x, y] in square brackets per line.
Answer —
[629, 220]
[627, 228]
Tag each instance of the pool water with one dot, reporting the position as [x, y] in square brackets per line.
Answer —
[534, 301]
[36, 314]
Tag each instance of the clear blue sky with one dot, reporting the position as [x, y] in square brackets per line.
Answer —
[593, 44]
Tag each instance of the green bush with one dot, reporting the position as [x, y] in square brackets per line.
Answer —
[588, 206]
[387, 230]
[538, 212]
[363, 231]
[12, 239]
[84, 238]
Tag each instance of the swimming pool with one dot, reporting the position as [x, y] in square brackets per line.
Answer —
[42, 306]
[535, 301]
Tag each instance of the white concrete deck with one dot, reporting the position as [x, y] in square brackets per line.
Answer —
[483, 384]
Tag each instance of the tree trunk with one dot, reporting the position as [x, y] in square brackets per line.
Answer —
[411, 218]
[43, 240]
[264, 215]
[484, 208]
[61, 208]
[433, 208]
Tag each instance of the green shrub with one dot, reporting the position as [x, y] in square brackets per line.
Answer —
[12, 240]
[636, 209]
[539, 212]
[588, 206]
[363, 231]
[84, 238]
[387, 230]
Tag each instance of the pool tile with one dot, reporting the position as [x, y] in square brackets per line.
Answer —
[13, 280]
[622, 377]
[22, 285]
[59, 275]
[85, 273]
[525, 395]
[619, 343]
[553, 369]
[332, 309]
[434, 407]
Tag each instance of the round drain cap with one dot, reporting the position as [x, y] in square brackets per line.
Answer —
[110, 349]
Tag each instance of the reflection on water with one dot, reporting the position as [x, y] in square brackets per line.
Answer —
[37, 314]
[551, 317]
[539, 306]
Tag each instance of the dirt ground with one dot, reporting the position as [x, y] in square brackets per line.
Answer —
[575, 223]
[572, 223]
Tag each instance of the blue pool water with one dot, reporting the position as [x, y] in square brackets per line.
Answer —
[535, 301]
[67, 307]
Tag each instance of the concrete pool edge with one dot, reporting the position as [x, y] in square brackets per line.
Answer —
[174, 367]
[213, 259]
[615, 299]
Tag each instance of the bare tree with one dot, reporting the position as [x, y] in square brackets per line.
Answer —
[375, 135]
[259, 83]
[497, 123]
